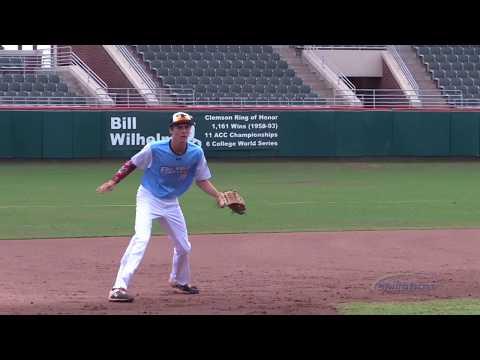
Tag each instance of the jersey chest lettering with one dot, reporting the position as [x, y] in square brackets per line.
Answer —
[178, 171]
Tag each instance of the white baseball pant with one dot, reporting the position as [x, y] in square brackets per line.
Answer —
[172, 220]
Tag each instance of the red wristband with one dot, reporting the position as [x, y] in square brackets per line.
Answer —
[126, 169]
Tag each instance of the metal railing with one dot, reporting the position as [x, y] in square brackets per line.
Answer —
[21, 101]
[137, 97]
[174, 97]
[344, 47]
[395, 97]
[319, 61]
[406, 72]
[136, 67]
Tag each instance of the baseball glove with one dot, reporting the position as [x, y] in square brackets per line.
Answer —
[234, 201]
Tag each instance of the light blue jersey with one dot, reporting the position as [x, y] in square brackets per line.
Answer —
[168, 175]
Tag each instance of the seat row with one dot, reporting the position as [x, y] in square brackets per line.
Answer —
[205, 48]
[151, 56]
[27, 86]
[218, 64]
[247, 88]
[42, 78]
[221, 72]
[230, 80]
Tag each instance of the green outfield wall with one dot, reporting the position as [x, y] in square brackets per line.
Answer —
[112, 134]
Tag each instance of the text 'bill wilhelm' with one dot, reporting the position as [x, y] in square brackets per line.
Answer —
[122, 139]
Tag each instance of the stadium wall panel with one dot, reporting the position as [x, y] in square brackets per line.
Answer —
[249, 134]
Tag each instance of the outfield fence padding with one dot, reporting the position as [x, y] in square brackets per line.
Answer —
[119, 134]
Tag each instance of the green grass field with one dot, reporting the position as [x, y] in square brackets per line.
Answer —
[44, 199]
[58, 198]
[434, 307]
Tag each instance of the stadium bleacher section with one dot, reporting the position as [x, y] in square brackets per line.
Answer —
[221, 72]
[23, 84]
[453, 67]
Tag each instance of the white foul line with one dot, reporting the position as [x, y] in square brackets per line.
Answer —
[60, 206]
[360, 202]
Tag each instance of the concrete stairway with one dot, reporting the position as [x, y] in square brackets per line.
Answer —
[73, 84]
[161, 91]
[304, 71]
[419, 72]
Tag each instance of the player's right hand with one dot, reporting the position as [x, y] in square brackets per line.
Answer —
[107, 186]
[221, 200]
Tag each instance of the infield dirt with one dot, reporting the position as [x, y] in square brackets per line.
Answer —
[267, 273]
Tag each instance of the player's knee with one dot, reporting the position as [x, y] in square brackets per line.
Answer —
[184, 249]
[141, 239]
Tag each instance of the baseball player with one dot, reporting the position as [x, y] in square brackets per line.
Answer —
[170, 167]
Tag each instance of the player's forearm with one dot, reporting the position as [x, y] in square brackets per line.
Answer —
[208, 187]
[123, 172]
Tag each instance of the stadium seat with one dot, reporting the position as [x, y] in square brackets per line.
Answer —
[447, 50]
[469, 51]
[244, 72]
[205, 80]
[217, 80]
[221, 71]
[270, 89]
[163, 72]
[251, 80]
[14, 87]
[51, 87]
[174, 71]
[259, 89]
[7, 78]
[187, 71]
[219, 56]
[41, 78]
[274, 80]
[267, 73]
[207, 56]
[236, 89]
[215, 64]
[203, 64]
[200, 48]
[239, 81]
[226, 64]
[469, 66]
[256, 72]
[297, 81]
[198, 71]
[232, 72]
[170, 80]
[305, 89]
[263, 81]
[18, 78]
[196, 55]
[177, 48]
[233, 48]
[210, 72]
[279, 72]
[185, 56]
[193, 80]
[282, 89]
